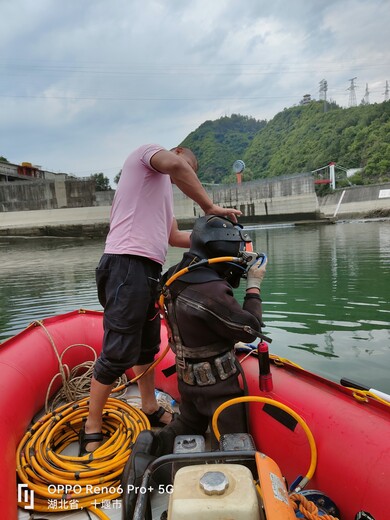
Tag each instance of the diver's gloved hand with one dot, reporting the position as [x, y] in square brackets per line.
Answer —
[256, 273]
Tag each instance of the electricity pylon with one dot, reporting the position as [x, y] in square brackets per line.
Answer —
[352, 93]
[323, 90]
[366, 99]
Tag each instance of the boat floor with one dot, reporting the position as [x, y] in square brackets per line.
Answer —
[113, 510]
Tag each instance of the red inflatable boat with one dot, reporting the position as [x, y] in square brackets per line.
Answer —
[351, 429]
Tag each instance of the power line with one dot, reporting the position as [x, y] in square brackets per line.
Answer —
[94, 98]
[158, 69]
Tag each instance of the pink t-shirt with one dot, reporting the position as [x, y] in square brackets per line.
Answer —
[142, 209]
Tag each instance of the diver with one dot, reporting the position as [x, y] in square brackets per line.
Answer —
[205, 321]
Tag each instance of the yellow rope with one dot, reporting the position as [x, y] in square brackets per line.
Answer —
[363, 395]
[360, 395]
[280, 361]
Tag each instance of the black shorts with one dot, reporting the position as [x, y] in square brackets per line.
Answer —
[127, 289]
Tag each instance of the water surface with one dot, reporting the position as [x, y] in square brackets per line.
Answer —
[326, 293]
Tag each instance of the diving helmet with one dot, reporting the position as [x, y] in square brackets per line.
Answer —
[212, 237]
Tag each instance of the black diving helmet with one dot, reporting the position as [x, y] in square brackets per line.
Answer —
[212, 237]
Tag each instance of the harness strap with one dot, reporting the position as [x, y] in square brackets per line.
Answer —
[175, 340]
[206, 373]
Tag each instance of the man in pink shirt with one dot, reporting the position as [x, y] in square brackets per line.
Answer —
[142, 225]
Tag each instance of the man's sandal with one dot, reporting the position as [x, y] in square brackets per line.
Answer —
[86, 438]
[154, 418]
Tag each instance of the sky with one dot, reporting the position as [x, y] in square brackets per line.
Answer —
[85, 82]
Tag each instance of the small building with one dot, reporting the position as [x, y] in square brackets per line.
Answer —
[305, 100]
[27, 172]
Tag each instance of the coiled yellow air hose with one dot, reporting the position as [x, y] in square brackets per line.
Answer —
[64, 483]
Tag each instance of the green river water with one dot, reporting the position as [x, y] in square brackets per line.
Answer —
[326, 294]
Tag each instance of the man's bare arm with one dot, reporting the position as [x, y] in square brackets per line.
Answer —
[187, 181]
[179, 238]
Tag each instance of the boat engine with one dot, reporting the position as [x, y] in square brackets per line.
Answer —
[235, 482]
[207, 490]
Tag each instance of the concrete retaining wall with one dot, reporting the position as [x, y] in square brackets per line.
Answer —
[90, 221]
[46, 194]
[104, 198]
[277, 199]
[357, 201]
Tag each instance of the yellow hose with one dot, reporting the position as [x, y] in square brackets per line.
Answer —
[150, 367]
[63, 483]
[187, 269]
[266, 400]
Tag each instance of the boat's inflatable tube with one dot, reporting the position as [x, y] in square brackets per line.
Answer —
[28, 363]
[352, 437]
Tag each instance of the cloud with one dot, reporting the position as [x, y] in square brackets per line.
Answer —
[83, 83]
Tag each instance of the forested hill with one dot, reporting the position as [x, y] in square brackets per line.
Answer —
[298, 139]
[217, 144]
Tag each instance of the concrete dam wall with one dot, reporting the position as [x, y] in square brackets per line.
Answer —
[292, 195]
[271, 199]
[72, 208]
[357, 201]
[46, 194]
[283, 198]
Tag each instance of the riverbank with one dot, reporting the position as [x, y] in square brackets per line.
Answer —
[93, 222]
[357, 202]
[87, 222]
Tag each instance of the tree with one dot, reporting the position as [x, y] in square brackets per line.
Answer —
[3, 159]
[117, 177]
[102, 182]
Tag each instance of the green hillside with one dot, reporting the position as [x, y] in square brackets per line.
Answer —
[217, 144]
[298, 139]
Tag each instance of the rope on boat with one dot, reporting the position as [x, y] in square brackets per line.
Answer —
[94, 478]
[91, 480]
[76, 383]
[75, 386]
[362, 396]
[308, 509]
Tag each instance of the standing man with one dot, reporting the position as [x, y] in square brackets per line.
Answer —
[142, 225]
